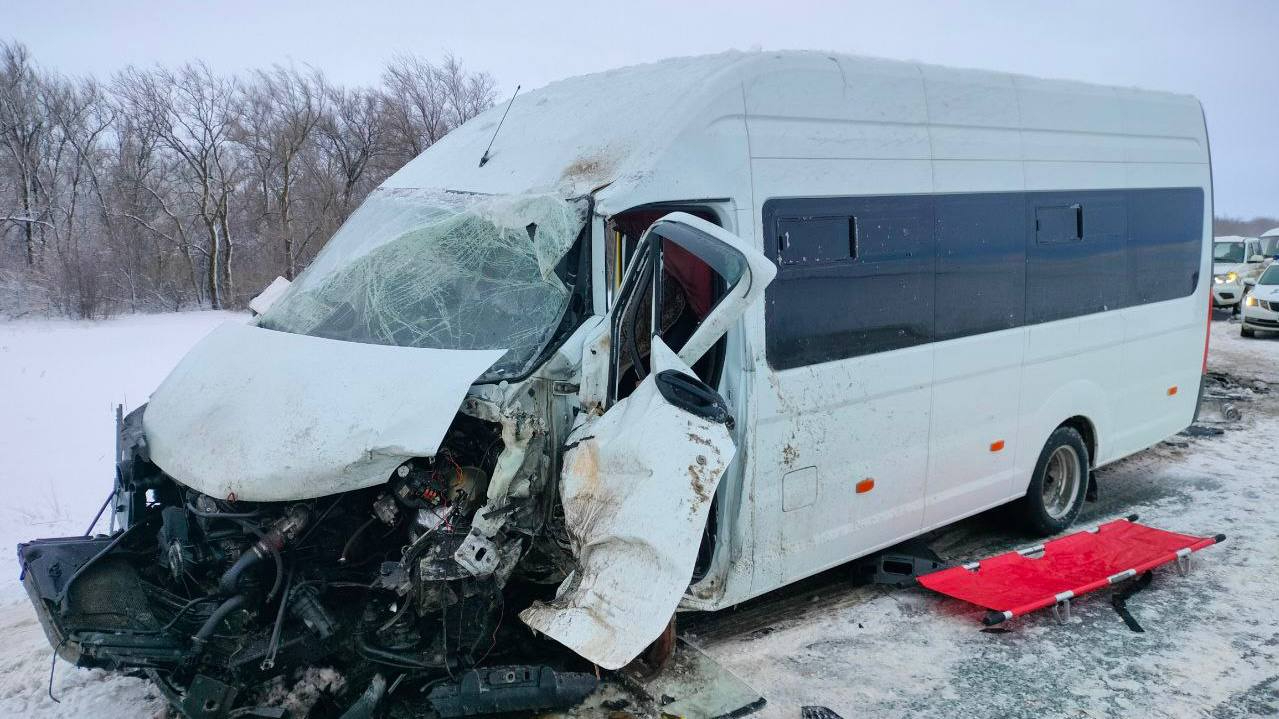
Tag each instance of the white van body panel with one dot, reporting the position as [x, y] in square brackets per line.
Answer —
[730, 132]
[215, 424]
[923, 421]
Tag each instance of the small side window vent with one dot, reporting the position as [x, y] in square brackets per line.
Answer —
[1059, 223]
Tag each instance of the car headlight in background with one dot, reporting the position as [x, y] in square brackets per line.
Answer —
[1228, 277]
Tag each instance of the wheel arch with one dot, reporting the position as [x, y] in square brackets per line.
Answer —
[1086, 429]
[1080, 404]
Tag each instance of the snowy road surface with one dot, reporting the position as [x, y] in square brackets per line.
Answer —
[1211, 646]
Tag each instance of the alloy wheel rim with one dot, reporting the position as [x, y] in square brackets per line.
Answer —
[1061, 482]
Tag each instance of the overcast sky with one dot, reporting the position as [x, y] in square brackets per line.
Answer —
[1226, 53]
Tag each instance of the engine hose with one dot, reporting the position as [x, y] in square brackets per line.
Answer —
[269, 543]
[230, 582]
[346, 548]
[279, 575]
[273, 647]
[389, 658]
[217, 617]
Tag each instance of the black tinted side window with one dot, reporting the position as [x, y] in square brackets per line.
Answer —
[1165, 243]
[1059, 223]
[859, 275]
[1069, 276]
[863, 283]
[807, 239]
[981, 263]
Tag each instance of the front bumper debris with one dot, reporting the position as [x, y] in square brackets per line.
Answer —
[105, 620]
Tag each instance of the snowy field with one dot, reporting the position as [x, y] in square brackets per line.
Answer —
[60, 383]
[1211, 646]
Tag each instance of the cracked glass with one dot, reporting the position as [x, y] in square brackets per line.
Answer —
[423, 268]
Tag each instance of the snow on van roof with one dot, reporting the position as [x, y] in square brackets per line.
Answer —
[576, 135]
[1272, 232]
[573, 135]
[1231, 238]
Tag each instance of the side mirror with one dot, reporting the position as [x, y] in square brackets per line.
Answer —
[260, 304]
[1257, 258]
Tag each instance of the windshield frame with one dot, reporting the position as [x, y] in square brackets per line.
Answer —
[1272, 272]
[580, 304]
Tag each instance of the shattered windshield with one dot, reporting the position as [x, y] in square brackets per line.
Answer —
[424, 268]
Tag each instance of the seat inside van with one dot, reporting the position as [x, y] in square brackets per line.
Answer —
[690, 289]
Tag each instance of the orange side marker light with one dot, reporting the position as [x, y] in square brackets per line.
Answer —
[865, 485]
[997, 445]
[1172, 390]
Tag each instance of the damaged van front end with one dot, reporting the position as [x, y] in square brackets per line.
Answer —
[400, 455]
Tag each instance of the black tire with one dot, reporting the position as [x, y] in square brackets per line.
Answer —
[1247, 332]
[1234, 309]
[1045, 512]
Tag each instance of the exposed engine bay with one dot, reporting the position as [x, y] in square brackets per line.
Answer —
[452, 541]
[417, 580]
[439, 590]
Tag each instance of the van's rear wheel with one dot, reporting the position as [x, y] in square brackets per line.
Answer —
[1059, 484]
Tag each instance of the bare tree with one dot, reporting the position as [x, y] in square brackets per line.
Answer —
[169, 187]
[425, 101]
[353, 137]
[191, 113]
[23, 129]
[281, 110]
[79, 118]
[1240, 226]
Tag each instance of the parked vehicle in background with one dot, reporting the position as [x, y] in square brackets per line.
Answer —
[1270, 243]
[1236, 264]
[1261, 308]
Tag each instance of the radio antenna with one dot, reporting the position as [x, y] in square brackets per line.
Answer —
[484, 160]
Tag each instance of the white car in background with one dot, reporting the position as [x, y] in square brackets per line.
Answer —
[1236, 263]
[1261, 308]
[1270, 243]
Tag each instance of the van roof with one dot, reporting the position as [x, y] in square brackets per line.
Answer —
[576, 135]
[1272, 232]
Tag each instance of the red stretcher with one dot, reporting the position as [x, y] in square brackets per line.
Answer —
[1053, 573]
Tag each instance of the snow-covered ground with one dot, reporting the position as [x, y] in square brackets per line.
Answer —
[1211, 647]
[60, 382]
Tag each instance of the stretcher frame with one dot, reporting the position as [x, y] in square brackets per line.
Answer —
[1060, 602]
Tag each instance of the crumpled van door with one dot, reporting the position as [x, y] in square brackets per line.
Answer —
[637, 482]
